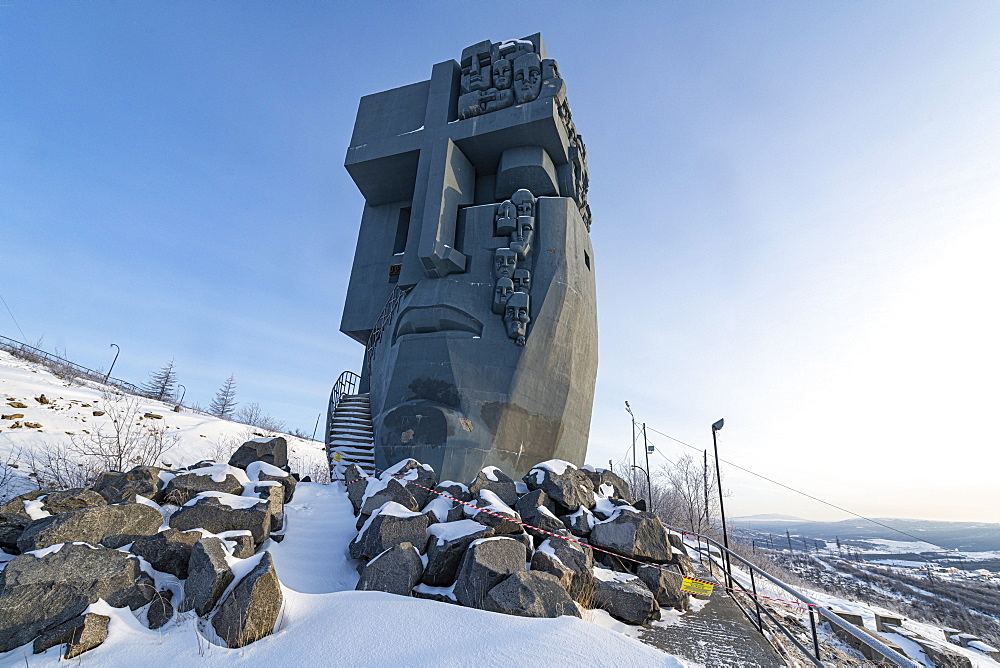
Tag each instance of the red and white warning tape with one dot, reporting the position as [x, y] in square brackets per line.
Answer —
[573, 539]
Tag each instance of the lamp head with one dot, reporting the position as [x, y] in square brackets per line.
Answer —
[718, 425]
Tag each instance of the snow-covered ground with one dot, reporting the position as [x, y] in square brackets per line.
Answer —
[71, 414]
[324, 622]
[788, 604]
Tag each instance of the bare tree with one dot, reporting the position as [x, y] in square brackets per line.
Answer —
[224, 402]
[57, 466]
[252, 415]
[8, 476]
[686, 495]
[163, 383]
[129, 441]
[317, 470]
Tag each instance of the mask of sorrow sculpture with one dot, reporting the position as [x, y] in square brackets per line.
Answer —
[485, 351]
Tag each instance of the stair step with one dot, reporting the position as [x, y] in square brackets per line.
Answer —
[353, 445]
[350, 438]
[350, 433]
[353, 457]
[347, 436]
[347, 449]
[353, 449]
[350, 429]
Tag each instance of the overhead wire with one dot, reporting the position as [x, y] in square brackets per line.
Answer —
[810, 496]
[23, 337]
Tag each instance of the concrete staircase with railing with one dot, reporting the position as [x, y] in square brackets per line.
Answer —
[350, 433]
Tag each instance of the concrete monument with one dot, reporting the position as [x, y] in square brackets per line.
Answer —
[473, 279]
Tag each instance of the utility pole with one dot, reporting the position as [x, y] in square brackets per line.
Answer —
[632, 415]
[649, 484]
[705, 468]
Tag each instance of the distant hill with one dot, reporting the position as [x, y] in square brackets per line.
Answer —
[967, 536]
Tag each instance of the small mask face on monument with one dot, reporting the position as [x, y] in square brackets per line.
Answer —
[522, 280]
[506, 221]
[501, 292]
[475, 59]
[581, 179]
[527, 77]
[516, 317]
[524, 201]
[504, 262]
[520, 241]
[503, 74]
[479, 78]
[550, 70]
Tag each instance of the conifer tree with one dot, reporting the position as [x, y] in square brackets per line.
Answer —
[162, 384]
[224, 402]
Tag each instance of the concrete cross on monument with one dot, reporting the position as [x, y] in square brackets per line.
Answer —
[434, 164]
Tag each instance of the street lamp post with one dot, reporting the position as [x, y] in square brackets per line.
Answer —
[722, 509]
[648, 483]
[180, 402]
[629, 409]
[108, 374]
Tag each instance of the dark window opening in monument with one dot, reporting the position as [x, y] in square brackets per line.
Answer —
[402, 230]
[394, 271]
[460, 232]
[586, 259]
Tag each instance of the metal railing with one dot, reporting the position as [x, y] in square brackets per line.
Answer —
[346, 384]
[760, 611]
[384, 318]
[56, 363]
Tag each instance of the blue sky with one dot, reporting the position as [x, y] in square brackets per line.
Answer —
[795, 215]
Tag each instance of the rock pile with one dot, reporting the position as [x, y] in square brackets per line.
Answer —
[516, 547]
[150, 538]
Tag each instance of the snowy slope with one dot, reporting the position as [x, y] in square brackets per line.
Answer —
[72, 410]
[325, 622]
[783, 602]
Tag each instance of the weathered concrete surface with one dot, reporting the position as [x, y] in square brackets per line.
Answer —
[480, 364]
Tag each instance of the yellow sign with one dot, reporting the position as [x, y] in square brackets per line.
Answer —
[337, 457]
[699, 587]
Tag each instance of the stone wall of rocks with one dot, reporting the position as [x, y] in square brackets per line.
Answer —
[558, 541]
[152, 538]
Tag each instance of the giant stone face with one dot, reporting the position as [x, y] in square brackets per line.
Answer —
[486, 350]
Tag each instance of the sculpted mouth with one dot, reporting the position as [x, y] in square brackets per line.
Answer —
[440, 318]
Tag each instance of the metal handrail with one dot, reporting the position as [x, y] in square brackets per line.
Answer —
[835, 620]
[347, 383]
[384, 318]
[17, 347]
